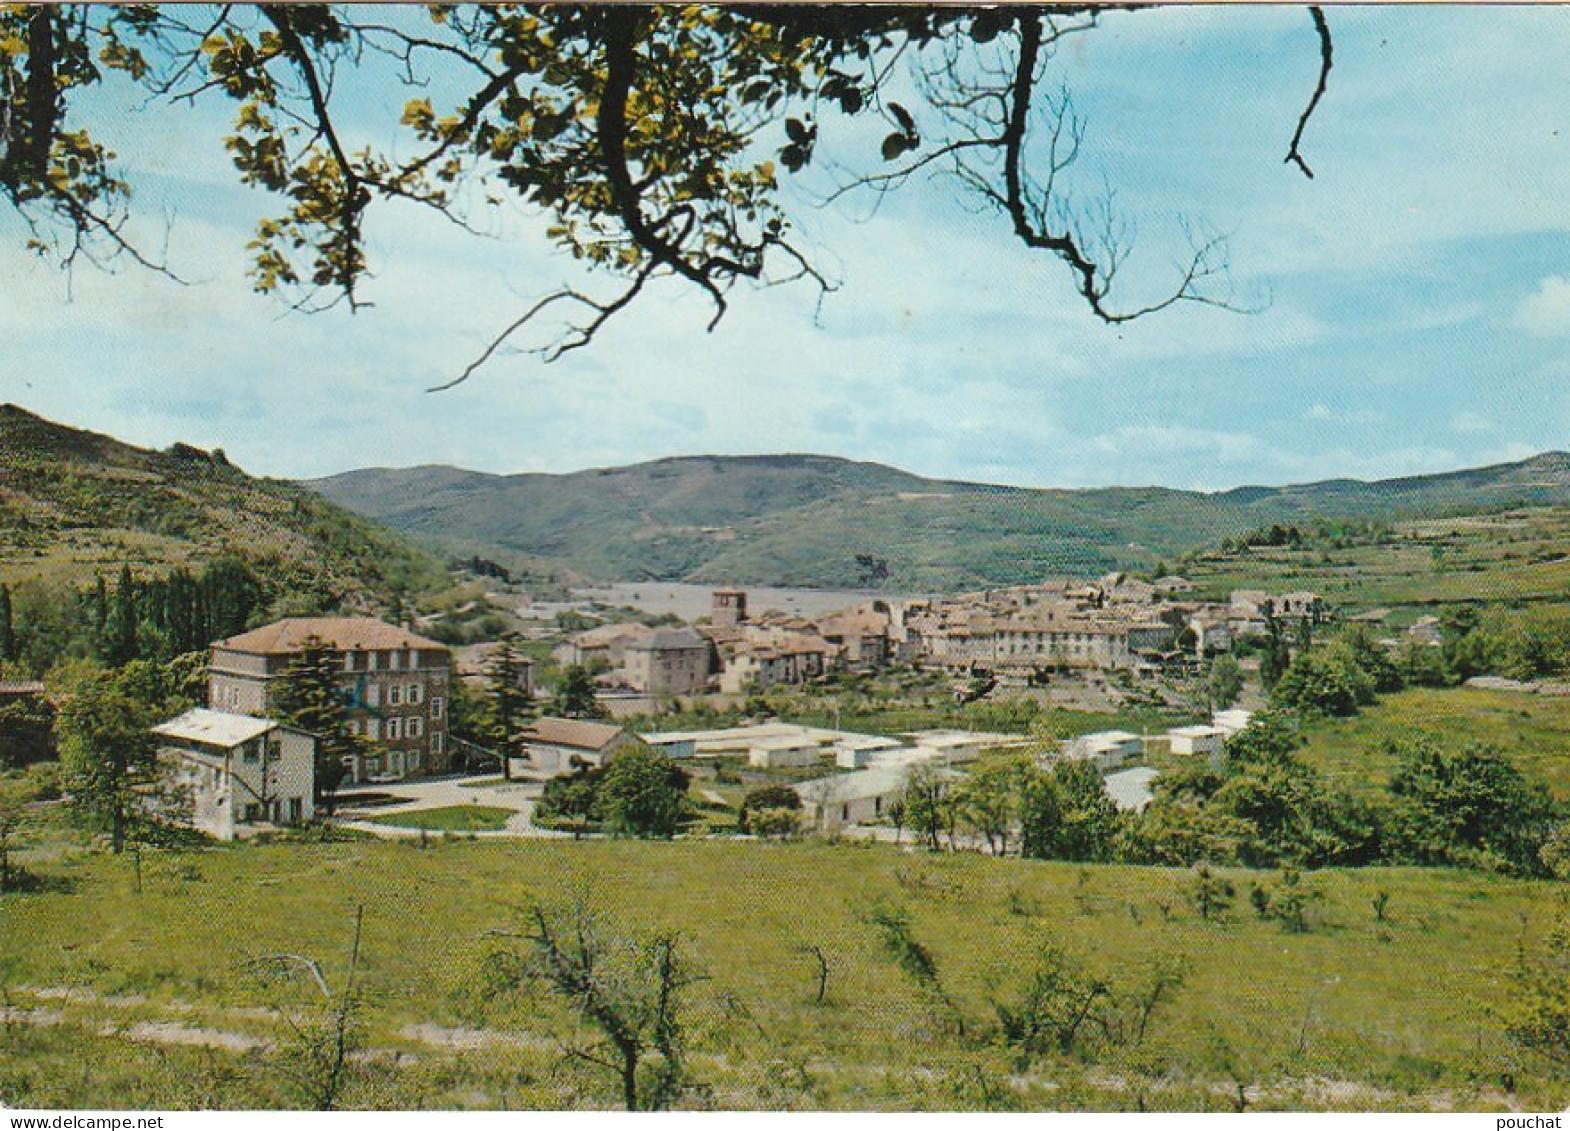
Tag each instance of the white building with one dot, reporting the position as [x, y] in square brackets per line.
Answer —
[859, 798]
[1108, 749]
[1231, 722]
[554, 747]
[236, 772]
[950, 746]
[784, 751]
[1206, 740]
[1130, 789]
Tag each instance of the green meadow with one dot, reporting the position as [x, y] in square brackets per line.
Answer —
[1533, 731]
[143, 987]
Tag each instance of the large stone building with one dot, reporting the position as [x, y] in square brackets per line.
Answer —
[398, 686]
[669, 661]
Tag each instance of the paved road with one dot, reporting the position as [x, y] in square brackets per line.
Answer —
[519, 796]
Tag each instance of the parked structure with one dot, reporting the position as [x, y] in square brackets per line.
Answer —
[397, 685]
[555, 746]
[859, 798]
[1108, 749]
[234, 773]
[1209, 741]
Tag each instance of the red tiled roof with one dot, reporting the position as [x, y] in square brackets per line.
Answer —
[289, 635]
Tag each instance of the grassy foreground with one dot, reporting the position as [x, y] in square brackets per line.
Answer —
[448, 818]
[116, 998]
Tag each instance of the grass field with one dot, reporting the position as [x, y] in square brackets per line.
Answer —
[449, 818]
[1532, 730]
[145, 998]
[1514, 556]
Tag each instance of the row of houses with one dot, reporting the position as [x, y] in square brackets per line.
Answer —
[1118, 622]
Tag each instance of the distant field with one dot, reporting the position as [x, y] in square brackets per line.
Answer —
[144, 1000]
[1516, 556]
[1533, 730]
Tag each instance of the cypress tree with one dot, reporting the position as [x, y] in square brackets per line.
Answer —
[7, 629]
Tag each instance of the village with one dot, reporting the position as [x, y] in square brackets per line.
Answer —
[235, 769]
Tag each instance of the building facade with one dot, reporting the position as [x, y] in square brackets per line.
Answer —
[226, 774]
[397, 686]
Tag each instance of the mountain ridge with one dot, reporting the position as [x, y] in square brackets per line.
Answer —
[808, 519]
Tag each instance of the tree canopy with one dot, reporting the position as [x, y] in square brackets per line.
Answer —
[654, 141]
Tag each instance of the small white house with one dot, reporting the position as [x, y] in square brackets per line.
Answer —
[859, 798]
[1108, 749]
[1207, 740]
[1231, 722]
[783, 752]
[1130, 790]
[236, 772]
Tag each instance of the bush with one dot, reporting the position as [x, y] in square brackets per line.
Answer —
[767, 797]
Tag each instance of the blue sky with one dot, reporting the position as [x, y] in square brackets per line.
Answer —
[1413, 300]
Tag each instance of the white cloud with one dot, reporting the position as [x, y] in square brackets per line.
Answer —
[1469, 422]
[1546, 311]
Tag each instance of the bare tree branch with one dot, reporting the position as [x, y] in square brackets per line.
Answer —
[1294, 155]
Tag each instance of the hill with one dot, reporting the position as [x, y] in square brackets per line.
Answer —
[75, 503]
[810, 520]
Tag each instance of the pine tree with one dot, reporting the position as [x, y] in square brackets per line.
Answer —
[122, 630]
[7, 629]
[509, 705]
[575, 696]
[307, 696]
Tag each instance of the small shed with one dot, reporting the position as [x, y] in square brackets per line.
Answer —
[1199, 740]
[784, 751]
[1108, 749]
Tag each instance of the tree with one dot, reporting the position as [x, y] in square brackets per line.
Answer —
[1210, 894]
[27, 730]
[651, 139]
[107, 755]
[1538, 1013]
[318, 1053]
[1067, 815]
[1224, 682]
[1471, 807]
[643, 794]
[571, 800]
[989, 797]
[927, 804]
[631, 990]
[307, 696]
[574, 698]
[122, 627]
[7, 626]
[767, 798]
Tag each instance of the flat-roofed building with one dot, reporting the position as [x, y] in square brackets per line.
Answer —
[234, 773]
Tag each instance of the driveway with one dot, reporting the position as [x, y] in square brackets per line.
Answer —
[440, 793]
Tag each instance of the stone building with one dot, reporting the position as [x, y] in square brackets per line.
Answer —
[397, 684]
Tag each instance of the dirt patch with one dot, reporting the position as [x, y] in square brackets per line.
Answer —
[173, 1033]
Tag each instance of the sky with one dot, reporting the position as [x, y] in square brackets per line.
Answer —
[1408, 307]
